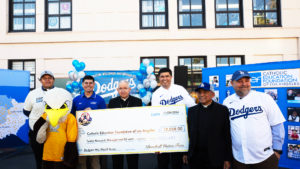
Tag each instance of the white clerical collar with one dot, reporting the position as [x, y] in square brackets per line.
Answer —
[125, 98]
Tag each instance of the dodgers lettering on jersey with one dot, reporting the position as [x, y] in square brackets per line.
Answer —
[251, 118]
[244, 112]
[172, 100]
[174, 95]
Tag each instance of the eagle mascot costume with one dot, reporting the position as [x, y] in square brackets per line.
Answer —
[57, 129]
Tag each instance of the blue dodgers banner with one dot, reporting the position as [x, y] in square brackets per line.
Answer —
[107, 82]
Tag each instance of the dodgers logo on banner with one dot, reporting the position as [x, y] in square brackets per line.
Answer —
[107, 82]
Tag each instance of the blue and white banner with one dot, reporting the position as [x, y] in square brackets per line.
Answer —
[275, 78]
[107, 82]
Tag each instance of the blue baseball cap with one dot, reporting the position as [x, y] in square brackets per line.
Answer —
[205, 86]
[240, 74]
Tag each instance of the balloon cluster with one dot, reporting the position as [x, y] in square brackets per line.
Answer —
[74, 86]
[148, 81]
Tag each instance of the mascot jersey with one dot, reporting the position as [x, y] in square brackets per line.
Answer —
[57, 128]
[57, 137]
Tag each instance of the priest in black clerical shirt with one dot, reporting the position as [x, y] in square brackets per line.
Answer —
[209, 132]
[125, 100]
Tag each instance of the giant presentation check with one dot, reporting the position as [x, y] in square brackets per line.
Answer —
[132, 130]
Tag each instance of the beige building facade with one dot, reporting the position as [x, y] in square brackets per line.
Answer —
[115, 35]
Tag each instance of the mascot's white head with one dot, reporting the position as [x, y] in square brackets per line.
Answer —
[58, 104]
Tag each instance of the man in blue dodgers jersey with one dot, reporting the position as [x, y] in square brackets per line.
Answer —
[257, 130]
[89, 101]
[170, 94]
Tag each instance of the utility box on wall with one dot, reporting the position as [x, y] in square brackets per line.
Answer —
[281, 80]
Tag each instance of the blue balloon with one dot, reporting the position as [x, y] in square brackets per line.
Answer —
[151, 64]
[80, 86]
[77, 67]
[82, 66]
[149, 89]
[75, 85]
[143, 69]
[143, 92]
[139, 76]
[75, 62]
[144, 104]
[69, 88]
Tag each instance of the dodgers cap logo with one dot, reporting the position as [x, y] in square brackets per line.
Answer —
[240, 74]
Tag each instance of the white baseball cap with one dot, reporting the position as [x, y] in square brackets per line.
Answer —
[46, 72]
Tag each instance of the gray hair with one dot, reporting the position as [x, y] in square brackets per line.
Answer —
[124, 81]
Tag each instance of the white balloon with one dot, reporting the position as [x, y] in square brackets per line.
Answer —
[150, 69]
[151, 77]
[146, 99]
[153, 84]
[75, 76]
[136, 95]
[69, 82]
[71, 73]
[139, 86]
[81, 74]
[146, 62]
[146, 83]
[149, 94]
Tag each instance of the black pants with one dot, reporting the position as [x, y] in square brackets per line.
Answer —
[164, 158]
[269, 163]
[132, 161]
[37, 149]
[54, 165]
[200, 160]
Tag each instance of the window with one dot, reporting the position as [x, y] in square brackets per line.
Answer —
[266, 13]
[191, 13]
[22, 15]
[195, 65]
[58, 15]
[229, 13]
[230, 60]
[28, 65]
[153, 14]
[159, 62]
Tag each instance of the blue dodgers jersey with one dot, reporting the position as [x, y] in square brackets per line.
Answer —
[94, 102]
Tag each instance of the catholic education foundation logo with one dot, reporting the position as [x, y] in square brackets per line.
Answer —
[85, 119]
[255, 79]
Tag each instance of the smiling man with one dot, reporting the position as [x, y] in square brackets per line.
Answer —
[209, 132]
[170, 94]
[34, 108]
[256, 121]
[88, 101]
[123, 101]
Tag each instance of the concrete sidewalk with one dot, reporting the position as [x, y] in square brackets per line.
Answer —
[22, 158]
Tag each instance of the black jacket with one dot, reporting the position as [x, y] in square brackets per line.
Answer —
[130, 102]
[218, 136]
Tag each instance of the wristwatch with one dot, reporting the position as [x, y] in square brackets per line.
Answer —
[278, 151]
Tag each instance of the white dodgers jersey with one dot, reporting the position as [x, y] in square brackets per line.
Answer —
[174, 95]
[251, 119]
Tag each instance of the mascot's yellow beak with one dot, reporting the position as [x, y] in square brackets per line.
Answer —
[55, 114]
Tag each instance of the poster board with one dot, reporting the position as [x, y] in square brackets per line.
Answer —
[281, 80]
[14, 87]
